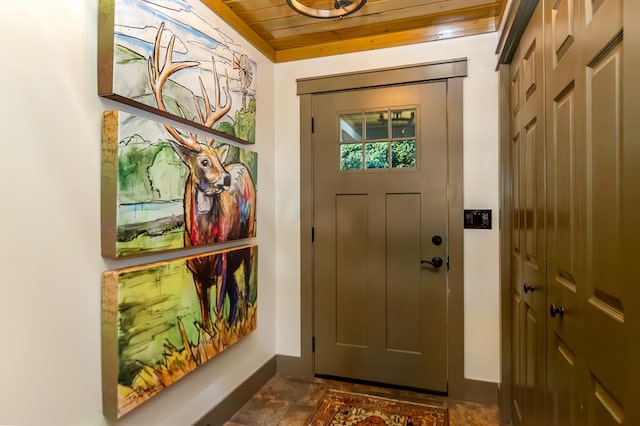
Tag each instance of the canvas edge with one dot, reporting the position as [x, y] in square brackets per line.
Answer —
[109, 183]
[255, 263]
[109, 190]
[106, 19]
[221, 250]
[158, 113]
[109, 348]
[106, 34]
[109, 324]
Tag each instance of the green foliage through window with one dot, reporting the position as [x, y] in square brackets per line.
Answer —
[377, 155]
[377, 150]
[351, 156]
[403, 154]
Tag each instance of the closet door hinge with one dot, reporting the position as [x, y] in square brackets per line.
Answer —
[313, 124]
[313, 344]
[313, 234]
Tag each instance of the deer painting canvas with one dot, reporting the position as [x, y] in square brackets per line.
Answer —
[158, 323]
[173, 58]
[164, 188]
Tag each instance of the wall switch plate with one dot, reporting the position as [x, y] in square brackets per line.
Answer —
[477, 219]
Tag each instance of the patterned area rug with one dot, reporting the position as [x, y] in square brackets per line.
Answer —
[354, 409]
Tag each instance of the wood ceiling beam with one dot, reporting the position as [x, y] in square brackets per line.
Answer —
[369, 15]
[373, 29]
[224, 12]
[436, 31]
[255, 13]
[400, 38]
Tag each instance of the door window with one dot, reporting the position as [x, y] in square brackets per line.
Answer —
[378, 139]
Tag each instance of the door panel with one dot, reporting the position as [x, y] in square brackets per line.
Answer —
[566, 218]
[584, 102]
[531, 365]
[351, 268]
[380, 315]
[567, 227]
[517, 359]
[604, 408]
[528, 227]
[530, 196]
[604, 310]
[564, 247]
[403, 298]
[533, 190]
[564, 378]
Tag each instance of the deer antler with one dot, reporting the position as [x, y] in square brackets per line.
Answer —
[158, 76]
[215, 114]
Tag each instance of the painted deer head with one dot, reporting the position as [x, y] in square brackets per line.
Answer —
[206, 166]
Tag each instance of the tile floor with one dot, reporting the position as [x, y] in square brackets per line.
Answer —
[288, 401]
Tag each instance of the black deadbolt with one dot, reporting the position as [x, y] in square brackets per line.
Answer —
[436, 240]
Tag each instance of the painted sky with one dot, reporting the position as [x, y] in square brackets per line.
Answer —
[136, 26]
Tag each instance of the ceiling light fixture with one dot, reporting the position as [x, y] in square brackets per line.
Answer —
[340, 8]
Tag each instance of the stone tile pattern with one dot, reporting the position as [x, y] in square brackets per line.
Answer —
[288, 401]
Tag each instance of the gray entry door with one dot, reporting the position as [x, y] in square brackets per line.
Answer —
[380, 202]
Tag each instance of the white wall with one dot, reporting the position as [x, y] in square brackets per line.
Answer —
[50, 259]
[482, 351]
[50, 263]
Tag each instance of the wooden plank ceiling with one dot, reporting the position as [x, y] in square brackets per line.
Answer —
[284, 35]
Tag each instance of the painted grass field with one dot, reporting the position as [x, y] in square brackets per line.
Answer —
[160, 337]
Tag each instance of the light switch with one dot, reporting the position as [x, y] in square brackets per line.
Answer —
[477, 219]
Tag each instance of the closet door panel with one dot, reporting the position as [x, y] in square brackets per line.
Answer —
[586, 372]
[528, 226]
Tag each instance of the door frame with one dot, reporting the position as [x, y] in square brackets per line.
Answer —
[631, 203]
[453, 71]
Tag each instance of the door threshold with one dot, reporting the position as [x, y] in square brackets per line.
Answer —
[381, 385]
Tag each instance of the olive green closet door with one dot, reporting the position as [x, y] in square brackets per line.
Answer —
[528, 247]
[587, 374]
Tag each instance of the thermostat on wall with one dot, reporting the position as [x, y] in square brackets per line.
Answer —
[477, 219]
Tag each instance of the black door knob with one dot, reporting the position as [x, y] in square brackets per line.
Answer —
[436, 262]
[556, 310]
[529, 288]
[436, 240]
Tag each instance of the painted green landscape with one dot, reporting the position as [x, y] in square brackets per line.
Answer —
[160, 337]
[181, 101]
[165, 188]
[150, 185]
[221, 75]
